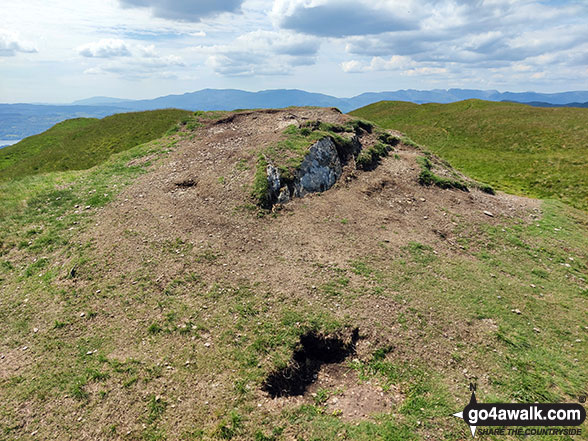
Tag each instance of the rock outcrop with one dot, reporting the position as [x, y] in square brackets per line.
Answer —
[321, 168]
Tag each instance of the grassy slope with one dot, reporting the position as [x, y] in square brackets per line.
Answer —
[81, 143]
[516, 148]
[492, 276]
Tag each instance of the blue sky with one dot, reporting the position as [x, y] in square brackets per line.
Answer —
[62, 50]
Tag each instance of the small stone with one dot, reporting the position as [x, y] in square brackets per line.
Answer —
[89, 353]
[24, 348]
[35, 330]
[207, 344]
[88, 207]
[516, 311]
[537, 330]
[487, 213]
[82, 314]
[578, 340]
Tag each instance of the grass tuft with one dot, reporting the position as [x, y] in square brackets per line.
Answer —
[428, 178]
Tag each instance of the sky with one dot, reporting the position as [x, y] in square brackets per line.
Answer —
[59, 51]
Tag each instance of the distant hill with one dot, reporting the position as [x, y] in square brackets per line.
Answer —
[230, 99]
[20, 120]
[99, 101]
[17, 121]
[541, 152]
[543, 104]
[81, 143]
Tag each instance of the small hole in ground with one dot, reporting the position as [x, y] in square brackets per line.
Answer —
[186, 184]
[313, 352]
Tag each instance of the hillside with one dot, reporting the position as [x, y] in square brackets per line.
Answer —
[518, 149]
[281, 275]
[18, 121]
[84, 142]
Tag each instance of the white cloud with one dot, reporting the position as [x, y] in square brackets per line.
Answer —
[519, 36]
[339, 18]
[185, 10]
[425, 71]
[137, 68]
[262, 53]
[138, 61]
[352, 66]
[147, 51]
[11, 44]
[394, 63]
[105, 48]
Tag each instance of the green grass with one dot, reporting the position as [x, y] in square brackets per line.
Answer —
[82, 143]
[427, 177]
[369, 157]
[141, 342]
[539, 152]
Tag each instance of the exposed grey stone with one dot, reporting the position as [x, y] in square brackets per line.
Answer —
[273, 178]
[284, 195]
[320, 169]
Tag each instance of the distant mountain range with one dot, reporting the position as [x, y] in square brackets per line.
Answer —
[542, 104]
[21, 120]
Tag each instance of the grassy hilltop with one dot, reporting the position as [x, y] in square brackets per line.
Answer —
[81, 143]
[519, 149]
[149, 298]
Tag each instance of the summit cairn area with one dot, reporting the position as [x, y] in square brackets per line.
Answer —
[280, 275]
